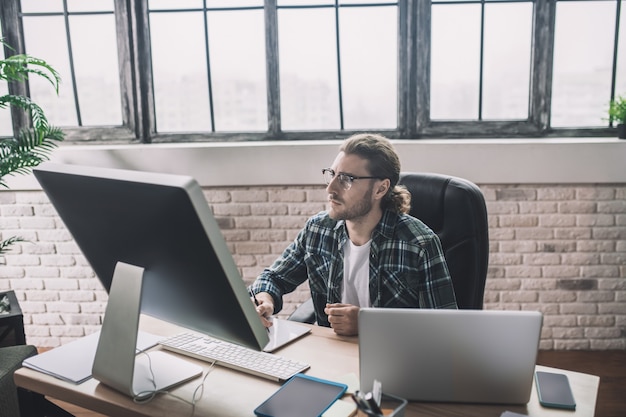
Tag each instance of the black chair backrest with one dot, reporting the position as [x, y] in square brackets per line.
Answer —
[454, 208]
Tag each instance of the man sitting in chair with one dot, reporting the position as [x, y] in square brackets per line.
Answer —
[365, 250]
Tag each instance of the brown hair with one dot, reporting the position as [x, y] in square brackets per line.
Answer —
[383, 162]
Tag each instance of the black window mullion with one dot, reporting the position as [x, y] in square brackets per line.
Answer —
[403, 70]
[420, 18]
[618, 11]
[205, 20]
[68, 39]
[481, 60]
[126, 58]
[542, 61]
[272, 68]
[142, 70]
[135, 66]
[13, 35]
[338, 51]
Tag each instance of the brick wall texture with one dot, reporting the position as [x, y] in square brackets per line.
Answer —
[558, 249]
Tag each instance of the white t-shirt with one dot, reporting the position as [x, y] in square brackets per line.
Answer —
[356, 274]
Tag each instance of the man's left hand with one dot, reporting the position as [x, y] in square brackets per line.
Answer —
[343, 318]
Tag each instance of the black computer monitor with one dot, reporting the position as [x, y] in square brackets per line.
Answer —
[162, 224]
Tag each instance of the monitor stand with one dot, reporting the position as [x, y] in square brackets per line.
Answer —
[116, 363]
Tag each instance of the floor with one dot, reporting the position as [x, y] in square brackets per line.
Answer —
[609, 365]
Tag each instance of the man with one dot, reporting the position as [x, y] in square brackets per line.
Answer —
[364, 251]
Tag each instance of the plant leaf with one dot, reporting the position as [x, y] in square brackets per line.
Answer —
[4, 244]
[29, 149]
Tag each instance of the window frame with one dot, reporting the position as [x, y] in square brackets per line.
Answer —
[414, 55]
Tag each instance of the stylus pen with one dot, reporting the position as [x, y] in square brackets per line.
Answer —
[256, 302]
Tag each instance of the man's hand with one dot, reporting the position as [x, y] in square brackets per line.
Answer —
[264, 307]
[343, 318]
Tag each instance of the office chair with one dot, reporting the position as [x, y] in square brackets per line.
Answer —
[16, 401]
[11, 358]
[454, 208]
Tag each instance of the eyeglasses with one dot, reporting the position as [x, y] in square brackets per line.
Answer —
[345, 180]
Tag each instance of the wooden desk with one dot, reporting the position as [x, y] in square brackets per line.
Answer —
[230, 393]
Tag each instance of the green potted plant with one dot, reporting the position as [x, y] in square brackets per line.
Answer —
[33, 144]
[617, 114]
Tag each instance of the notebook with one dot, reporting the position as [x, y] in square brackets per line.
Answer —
[468, 356]
[72, 362]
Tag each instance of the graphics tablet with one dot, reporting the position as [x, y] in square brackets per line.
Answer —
[283, 332]
[301, 396]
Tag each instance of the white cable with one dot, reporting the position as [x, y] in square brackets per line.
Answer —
[141, 398]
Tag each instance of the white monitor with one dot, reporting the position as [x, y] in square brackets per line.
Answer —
[172, 260]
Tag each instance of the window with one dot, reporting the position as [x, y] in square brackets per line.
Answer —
[328, 54]
[583, 62]
[63, 35]
[201, 82]
[481, 61]
[213, 70]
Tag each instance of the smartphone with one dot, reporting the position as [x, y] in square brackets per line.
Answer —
[554, 390]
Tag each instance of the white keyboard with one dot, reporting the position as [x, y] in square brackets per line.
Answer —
[265, 365]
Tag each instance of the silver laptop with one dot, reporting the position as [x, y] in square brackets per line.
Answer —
[469, 356]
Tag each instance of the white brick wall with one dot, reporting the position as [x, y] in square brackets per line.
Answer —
[560, 250]
[557, 249]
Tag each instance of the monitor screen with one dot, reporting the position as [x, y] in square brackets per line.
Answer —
[162, 223]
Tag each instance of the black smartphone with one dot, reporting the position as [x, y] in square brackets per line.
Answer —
[554, 390]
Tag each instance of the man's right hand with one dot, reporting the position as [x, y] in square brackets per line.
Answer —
[264, 307]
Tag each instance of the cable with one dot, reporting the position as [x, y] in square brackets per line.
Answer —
[141, 398]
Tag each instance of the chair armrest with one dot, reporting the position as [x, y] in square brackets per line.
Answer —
[304, 313]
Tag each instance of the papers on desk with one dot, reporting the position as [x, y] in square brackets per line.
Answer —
[72, 362]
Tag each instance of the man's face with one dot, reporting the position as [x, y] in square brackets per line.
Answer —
[357, 201]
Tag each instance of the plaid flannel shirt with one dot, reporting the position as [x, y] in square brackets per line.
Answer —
[407, 265]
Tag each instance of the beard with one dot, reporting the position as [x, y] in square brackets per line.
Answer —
[359, 209]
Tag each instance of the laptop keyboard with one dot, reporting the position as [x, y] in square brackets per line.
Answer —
[231, 355]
